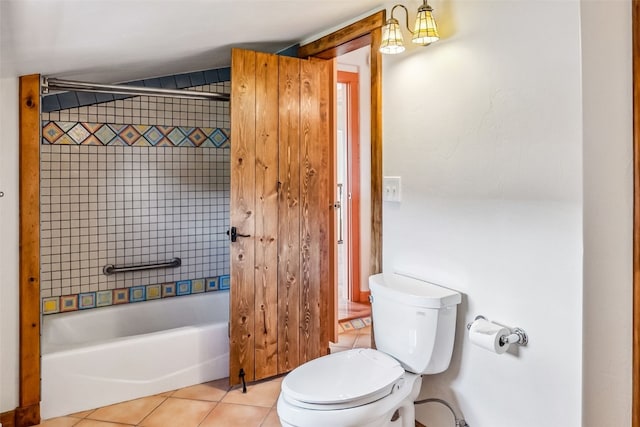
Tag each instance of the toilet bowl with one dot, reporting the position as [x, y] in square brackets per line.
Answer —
[369, 405]
[414, 325]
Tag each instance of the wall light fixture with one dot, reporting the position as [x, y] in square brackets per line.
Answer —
[424, 31]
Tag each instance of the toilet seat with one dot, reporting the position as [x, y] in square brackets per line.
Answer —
[343, 380]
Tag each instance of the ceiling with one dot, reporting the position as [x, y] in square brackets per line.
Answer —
[109, 41]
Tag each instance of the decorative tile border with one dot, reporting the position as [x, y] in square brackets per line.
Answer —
[137, 294]
[351, 325]
[69, 303]
[103, 298]
[168, 290]
[197, 286]
[87, 300]
[51, 305]
[76, 133]
[211, 284]
[121, 296]
[154, 292]
[224, 282]
[183, 287]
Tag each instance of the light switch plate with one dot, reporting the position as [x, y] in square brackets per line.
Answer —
[391, 189]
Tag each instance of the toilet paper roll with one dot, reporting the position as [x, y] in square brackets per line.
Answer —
[486, 334]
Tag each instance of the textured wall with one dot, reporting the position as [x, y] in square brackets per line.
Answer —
[485, 128]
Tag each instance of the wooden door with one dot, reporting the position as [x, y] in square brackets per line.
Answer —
[282, 289]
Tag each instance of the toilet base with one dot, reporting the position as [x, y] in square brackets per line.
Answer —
[374, 414]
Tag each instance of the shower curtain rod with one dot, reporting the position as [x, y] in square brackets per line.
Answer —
[49, 84]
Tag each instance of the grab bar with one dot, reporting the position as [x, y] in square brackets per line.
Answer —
[112, 269]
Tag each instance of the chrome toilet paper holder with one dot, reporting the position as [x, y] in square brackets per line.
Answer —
[517, 335]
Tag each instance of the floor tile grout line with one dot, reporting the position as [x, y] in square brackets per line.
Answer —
[198, 400]
[264, 418]
[208, 413]
[151, 411]
[247, 404]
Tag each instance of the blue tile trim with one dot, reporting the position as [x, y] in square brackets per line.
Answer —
[152, 82]
[289, 51]
[182, 81]
[68, 100]
[86, 98]
[135, 83]
[224, 74]
[50, 103]
[103, 97]
[65, 100]
[197, 78]
[211, 76]
[168, 82]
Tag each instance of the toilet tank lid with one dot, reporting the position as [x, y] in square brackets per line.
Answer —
[410, 291]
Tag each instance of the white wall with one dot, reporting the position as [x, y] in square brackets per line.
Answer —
[485, 128]
[608, 210]
[9, 245]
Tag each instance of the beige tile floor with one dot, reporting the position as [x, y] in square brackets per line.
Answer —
[210, 404]
[356, 338]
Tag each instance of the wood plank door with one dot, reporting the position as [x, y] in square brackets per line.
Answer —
[282, 290]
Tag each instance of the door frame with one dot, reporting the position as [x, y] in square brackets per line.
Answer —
[365, 32]
[635, 392]
[351, 81]
[28, 411]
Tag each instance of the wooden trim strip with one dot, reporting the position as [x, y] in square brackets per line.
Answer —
[8, 419]
[350, 46]
[266, 223]
[345, 35]
[324, 76]
[29, 127]
[242, 215]
[27, 416]
[375, 263]
[309, 201]
[289, 215]
[635, 34]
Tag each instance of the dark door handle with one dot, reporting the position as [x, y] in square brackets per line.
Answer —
[233, 234]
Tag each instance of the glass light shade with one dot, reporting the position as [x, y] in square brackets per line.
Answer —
[425, 31]
[392, 41]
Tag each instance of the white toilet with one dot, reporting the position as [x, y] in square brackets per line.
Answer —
[414, 326]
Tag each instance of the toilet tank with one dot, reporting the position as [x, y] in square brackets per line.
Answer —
[414, 321]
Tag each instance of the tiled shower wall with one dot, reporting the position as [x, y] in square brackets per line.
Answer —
[134, 181]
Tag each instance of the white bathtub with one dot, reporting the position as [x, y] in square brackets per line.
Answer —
[111, 354]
